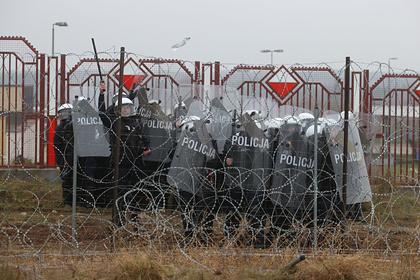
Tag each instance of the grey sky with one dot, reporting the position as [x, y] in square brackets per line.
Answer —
[229, 31]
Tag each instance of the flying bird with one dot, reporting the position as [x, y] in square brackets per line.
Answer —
[180, 44]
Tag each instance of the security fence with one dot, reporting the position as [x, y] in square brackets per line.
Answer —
[205, 154]
[34, 85]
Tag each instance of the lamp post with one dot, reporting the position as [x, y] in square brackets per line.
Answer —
[389, 63]
[389, 71]
[61, 24]
[272, 52]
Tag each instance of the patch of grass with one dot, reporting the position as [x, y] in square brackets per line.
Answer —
[10, 273]
[21, 195]
[399, 207]
[216, 264]
[123, 267]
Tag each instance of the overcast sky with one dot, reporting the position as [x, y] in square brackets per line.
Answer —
[228, 31]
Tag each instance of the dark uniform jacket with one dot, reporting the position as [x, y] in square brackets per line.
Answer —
[63, 144]
[132, 143]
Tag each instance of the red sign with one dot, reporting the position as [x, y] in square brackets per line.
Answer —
[130, 80]
[417, 90]
[282, 88]
[282, 82]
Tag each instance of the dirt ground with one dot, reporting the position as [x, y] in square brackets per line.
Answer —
[36, 243]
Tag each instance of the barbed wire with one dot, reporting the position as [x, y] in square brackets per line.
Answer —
[255, 203]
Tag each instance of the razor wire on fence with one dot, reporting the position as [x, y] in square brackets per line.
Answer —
[209, 155]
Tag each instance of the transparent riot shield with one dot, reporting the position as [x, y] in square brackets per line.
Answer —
[158, 128]
[249, 173]
[328, 206]
[220, 124]
[292, 162]
[93, 150]
[358, 186]
[214, 187]
[250, 151]
[193, 147]
[89, 131]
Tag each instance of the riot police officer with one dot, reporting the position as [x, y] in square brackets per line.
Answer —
[133, 147]
[215, 187]
[63, 144]
[187, 171]
[251, 167]
[158, 130]
[104, 165]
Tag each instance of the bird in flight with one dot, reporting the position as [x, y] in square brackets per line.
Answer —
[180, 44]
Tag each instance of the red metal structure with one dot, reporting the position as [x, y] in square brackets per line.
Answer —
[395, 107]
[33, 85]
[298, 86]
[21, 102]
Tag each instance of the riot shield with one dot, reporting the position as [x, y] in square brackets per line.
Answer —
[249, 174]
[93, 151]
[88, 130]
[328, 200]
[292, 160]
[186, 171]
[158, 129]
[220, 124]
[252, 161]
[358, 186]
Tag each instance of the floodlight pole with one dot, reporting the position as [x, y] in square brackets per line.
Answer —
[61, 24]
[272, 53]
[389, 72]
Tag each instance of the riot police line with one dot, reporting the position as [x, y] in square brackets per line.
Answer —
[208, 160]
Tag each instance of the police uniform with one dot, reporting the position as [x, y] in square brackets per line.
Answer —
[103, 166]
[63, 145]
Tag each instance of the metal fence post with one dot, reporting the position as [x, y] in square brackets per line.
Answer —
[62, 79]
[41, 115]
[315, 177]
[116, 148]
[346, 132]
[73, 208]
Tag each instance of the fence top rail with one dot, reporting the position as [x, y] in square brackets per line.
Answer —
[392, 76]
[20, 46]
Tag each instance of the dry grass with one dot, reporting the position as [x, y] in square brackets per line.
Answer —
[396, 206]
[394, 210]
[21, 195]
[9, 273]
[215, 264]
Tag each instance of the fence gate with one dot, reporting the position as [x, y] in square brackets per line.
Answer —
[395, 109]
[21, 125]
[297, 86]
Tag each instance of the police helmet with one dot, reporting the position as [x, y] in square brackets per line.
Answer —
[182, 105]
[351, 115]
[306, 116]
[115, 97]
[154, 101]
[254, 114]
[80, 98]
[64, 111]
[311, 130]
[274, 123]
[187, 120]
[291, 119]
[127, 107]
[124, 101]
[65, 106]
